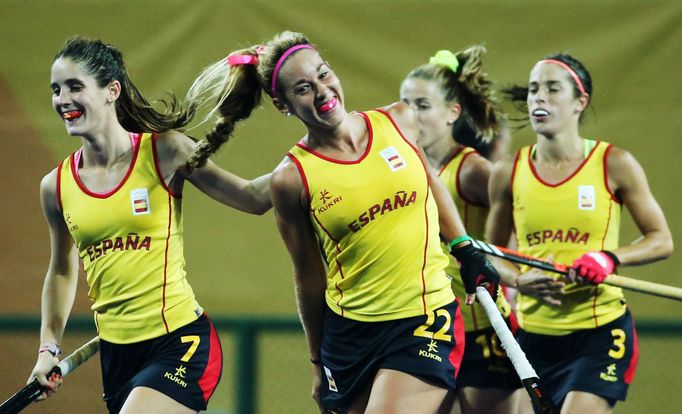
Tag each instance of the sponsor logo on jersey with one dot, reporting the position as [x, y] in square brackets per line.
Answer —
[140, 201]
[118, 244]
[432, 351]
[178, 377]
[72, 226]
[586, 198]
[401, 199]
[393, 158]
[610, 374]
[570, 235]
[328, 201]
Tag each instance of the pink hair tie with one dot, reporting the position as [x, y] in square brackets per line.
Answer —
[234, 60]
[571, 72]
[280, 62]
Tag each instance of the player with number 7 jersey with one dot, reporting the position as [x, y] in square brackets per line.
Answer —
[117, 203]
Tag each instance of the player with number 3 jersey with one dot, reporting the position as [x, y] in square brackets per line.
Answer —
[562, 196]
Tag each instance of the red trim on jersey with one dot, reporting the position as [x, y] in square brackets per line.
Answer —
[447, 163]
[426, 244]
[606, 230]
[296, 162]
[577, 170]
[214, 366]
[390, 118]
[306, 148]
[458, 185]
[457, 351]
[513, 323]
[157, 167]
[59, 187]
[338, 249]
[312, 213]
[75, 160]
[428, 192]
[513, 174]
[606, 175]
[629, 373]
[165, 263]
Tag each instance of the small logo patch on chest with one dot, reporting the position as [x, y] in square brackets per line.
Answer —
[393, 158]
[586, 198]
[139, 199]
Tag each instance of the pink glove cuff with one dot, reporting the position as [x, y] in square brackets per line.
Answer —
[594, 266]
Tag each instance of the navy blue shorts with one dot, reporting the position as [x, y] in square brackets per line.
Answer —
[485, 364]
[185, 365]
[601, 361]
[427, 346]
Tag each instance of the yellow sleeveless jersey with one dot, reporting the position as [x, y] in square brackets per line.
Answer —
[567, 219]
[131, 245]
[474, 217]
[377, 223]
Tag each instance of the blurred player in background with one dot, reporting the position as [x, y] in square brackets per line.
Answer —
[452, 98]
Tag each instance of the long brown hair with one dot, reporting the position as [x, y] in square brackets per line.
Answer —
[105, 63]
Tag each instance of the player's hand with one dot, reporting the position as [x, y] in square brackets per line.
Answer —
[539, 285]
[317, 383]
[475, 270]
[46, 361]
[593, 267]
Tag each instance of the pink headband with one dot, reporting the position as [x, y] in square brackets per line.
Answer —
[570, 72]
[280, 62]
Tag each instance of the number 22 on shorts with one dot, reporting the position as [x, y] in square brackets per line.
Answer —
[440, 334]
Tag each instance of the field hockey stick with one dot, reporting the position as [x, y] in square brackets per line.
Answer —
[636, 285]
[29, 393]
[542, 403]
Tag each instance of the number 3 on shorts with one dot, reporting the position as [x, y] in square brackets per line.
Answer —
[194, 339]
[441, 334]
[618, 343]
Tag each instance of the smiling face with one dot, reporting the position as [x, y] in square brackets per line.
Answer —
[309, 89]
[434, 114]
[80, 102]
[552, 104]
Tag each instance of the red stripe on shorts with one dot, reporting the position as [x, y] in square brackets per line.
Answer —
[214, 368]
[630, 372]
[458, 350]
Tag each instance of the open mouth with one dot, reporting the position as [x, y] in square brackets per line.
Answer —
[72, 115]
[328, 106]
[540, 113]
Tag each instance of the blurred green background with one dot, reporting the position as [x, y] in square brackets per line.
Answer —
[236, 263]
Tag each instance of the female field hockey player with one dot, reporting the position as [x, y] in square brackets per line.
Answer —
[359, 212]
[116, 204]
[563, 196]
[452, 98]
